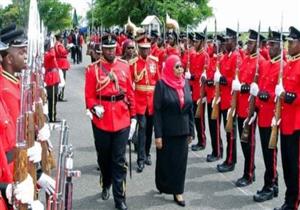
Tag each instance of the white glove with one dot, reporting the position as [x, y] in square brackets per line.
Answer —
[35, 153]
[217, 76]
[254, 89]
[228, 112]
[236, 85]
[251, 119]
[274, 123]
[24, 191]
[214, 101]
[89, 114]
[44, 133]
[62, 80]
[47, 183]
[8, 193]
[132, 128]
[99, 111]
[45, 109]
[203, 100]
[187, 75]
[37, 205]
[279, 90]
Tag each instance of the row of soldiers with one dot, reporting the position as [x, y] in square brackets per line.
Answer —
[223, 77]
[19, 189]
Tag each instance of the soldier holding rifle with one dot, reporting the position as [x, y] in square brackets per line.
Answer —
[270, 71]
[242, 84]
[289, 91]
[224, 77]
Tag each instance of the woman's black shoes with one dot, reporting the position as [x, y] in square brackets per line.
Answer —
[180, 203]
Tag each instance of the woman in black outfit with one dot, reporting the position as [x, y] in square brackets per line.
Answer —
[174, 129]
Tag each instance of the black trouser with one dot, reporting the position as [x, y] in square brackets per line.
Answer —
[144, 136]
[200, 125]
[270, 158]
[111, 150]
[62, 93]
[77, 54]
[231, 140]
[248, 148]
[215, 134]
[52, 101]
[290, 149]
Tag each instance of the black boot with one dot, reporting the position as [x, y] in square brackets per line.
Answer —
[267, 193]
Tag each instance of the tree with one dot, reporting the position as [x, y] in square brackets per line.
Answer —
[56, 15]
[116, 12]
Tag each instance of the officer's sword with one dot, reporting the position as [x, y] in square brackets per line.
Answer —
[134, 136]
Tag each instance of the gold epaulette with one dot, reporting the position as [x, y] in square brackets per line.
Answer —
[123, 61]
[153, 58]
[133, 60]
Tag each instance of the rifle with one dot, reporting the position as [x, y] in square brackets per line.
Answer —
[199, 110]
[215, 106]
[277, 115]
[251, 110]
[62, 196]
[23, 131]
[231, 114]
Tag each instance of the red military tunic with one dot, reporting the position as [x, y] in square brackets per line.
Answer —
[61, 56]
[186, 57]
[98, 84]
[267, 81]
[246, 76]
[10, 90]
[198, 60]
[227, 69]
[145, 74]
[5, 175]
[173, 51]
[290, 114]
[51, 68]
[7, 141]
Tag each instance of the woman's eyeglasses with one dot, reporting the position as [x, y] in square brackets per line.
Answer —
[178, 66]
[130, 48]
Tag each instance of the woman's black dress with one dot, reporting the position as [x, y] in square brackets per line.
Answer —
[173, 125]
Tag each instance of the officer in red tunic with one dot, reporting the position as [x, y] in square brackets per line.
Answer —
[188, 52]
[61, 54]
[214, 125]
[265, 105]
[145, 73]
[51, 79]
[199, 60]
[109, 96]
[289, 93]
[225, 77]
[242, 84]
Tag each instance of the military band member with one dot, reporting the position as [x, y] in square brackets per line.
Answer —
[214, 125]
[242, 85]
[172, 47]
[289, 93]
[145, 73]
[265, 104]
[109, 96]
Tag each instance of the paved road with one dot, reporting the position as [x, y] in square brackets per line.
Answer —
[205, 188]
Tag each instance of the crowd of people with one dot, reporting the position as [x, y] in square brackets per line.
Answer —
[166, 83]
[139, 84]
